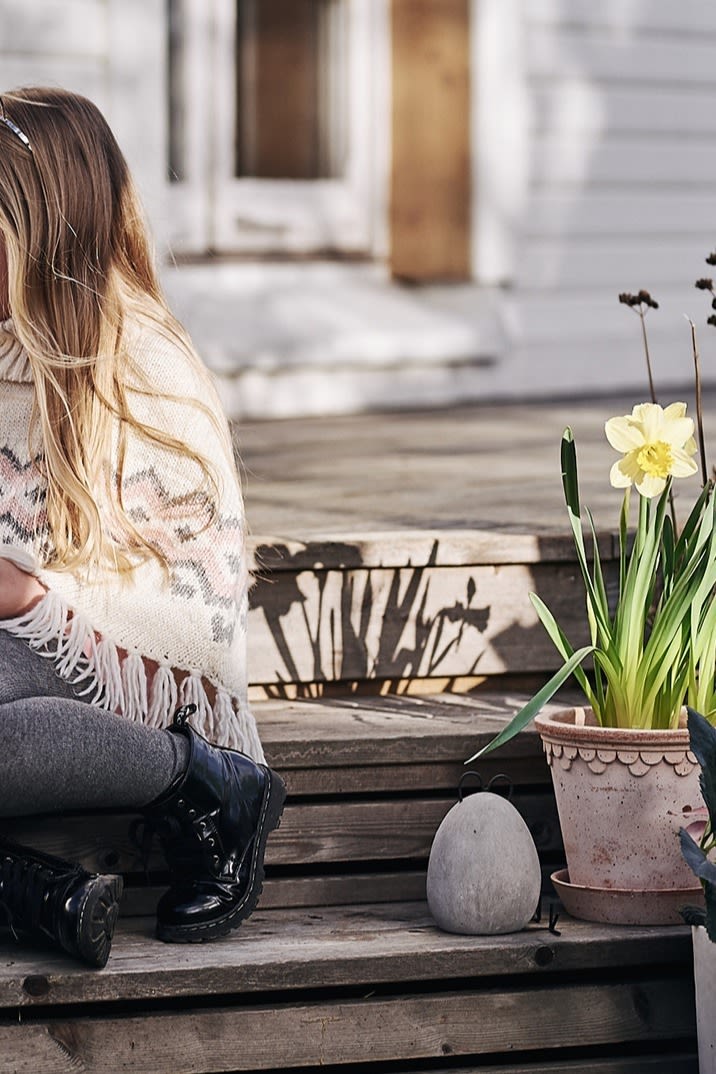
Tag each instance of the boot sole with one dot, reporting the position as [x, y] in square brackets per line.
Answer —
[269, 820]
[97, 920]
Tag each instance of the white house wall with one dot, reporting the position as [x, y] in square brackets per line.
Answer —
[620, 194]
[594, 149]
[109, 50]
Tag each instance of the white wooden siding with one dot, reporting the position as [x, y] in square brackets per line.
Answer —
[55, 43]
[69, 28]
[594, 137]
[112, 51]
[620, 192]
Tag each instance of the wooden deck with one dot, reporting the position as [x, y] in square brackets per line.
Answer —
[391, 635]
[344, 986]
[341, 965]
[488, 467]
[369, 781]
[399, 550]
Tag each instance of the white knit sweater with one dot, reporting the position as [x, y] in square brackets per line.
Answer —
[99, 628]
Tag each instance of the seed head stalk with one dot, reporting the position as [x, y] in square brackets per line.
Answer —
[699, 401]
[645, 341]
[640, 304]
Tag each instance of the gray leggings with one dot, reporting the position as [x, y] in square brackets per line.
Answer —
[58, 753]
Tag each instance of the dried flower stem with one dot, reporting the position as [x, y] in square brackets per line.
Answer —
[652, 390]
[699, 402]
[640, 303]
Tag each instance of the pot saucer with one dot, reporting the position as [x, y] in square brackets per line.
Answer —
[617, 906]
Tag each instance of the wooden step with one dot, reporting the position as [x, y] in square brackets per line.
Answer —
[396, 547]
[341, 964]
[391, 608]
[369, 782]
[341, 986]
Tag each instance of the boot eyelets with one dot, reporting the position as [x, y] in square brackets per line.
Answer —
[211, 833]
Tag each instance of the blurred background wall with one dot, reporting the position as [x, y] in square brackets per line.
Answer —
[378, 203]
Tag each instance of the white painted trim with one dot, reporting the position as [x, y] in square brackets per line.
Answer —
[499, 133]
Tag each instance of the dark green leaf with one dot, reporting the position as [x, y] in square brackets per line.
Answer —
[530, 710]
[693, 915]
[696, 859]
[710, 898]
[692, 522]
[570, 482]
[667, 545]
[702, 735]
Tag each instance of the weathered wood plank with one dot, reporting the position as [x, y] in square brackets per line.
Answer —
[419, 547]
[339, 732]
[402, 828]
[332, 946]
[483, 467]
[683, 1063]
[291, 892]
[414, 622]
[310, 834]
[430, 180]
[418, 778]
[318, 1034]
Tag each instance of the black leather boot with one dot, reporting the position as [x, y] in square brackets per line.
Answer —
[58, 900]
[213, 825]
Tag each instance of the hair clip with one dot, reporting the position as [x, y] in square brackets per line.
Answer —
[16, 131]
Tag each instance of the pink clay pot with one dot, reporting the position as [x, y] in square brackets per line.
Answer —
[622, 796]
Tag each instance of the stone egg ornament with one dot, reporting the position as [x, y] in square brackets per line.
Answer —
[484, 874]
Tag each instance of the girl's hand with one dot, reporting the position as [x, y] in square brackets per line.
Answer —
[19, 591]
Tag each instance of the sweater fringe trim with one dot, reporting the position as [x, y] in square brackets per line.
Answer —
[103, 676]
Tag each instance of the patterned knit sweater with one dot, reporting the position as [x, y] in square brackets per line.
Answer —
[106, 633]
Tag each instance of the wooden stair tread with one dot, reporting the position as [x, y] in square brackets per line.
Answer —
[369, 780]
[542, 1020]
[279, 950]
[420, 547]
[486, 465]
[391, 729]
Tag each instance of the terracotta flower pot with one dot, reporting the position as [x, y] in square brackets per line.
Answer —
[622, 796]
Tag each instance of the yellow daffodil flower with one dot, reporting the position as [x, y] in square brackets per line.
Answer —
[656, 444]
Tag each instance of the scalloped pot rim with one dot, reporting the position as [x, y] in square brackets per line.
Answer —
[622, 795]
[560, 727]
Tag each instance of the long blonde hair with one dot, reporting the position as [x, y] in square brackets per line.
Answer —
[79, 261]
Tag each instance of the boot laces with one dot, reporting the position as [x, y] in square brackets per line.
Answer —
[183, 850]
[180, 851]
